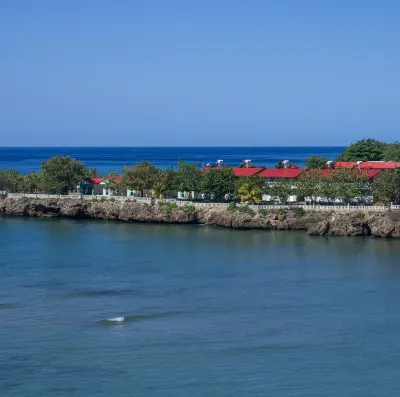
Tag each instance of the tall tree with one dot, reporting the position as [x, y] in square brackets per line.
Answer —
[3, 181]
[282, 189]
[387, 186]
[164, 183]
[15, 182]
[391, 152]
[363, 150]
[187, 177]
[308, 185]
[313, 162]
[60, 175]
[141, 176]
[218, 183]
[32, 182]
[350, 185]
[328, 189]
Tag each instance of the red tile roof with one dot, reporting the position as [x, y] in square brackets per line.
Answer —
[246, 171]
[281, 172]
[380, 165]
[117, 179]
[370, 173]
[94, 181]
[328, 172]
[345, 164]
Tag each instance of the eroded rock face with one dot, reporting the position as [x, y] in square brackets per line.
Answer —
[315, 223]
[381, 226]
[347, 225]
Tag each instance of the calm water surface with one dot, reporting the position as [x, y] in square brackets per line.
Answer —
[209, 312]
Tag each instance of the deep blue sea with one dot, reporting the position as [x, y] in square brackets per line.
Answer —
[113, 159]
[208, 312]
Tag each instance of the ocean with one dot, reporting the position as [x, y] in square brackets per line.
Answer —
[208, 312]
[113, 159]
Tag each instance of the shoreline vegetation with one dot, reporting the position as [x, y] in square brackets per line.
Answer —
[357, 177]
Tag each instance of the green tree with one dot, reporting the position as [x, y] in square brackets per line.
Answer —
[141, 176]
[328, 189]
[14, 181]
[218, 183]
[164, 183]
[32, 182]
[314, 162]
[250, 193]
[391, 152]
[93, 173]
[363, 150]
[350, 185]
[60, 175]
[308, 185]
[279, 164]
[282, 189]
[3, 181]
[187, 177]
[387, 186]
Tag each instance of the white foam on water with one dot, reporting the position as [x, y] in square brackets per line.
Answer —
[116, 319]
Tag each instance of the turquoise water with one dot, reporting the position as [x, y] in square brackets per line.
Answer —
[209, 312]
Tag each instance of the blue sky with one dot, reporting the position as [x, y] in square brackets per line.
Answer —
[198, 72]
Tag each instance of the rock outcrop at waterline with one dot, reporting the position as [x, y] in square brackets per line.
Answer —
[382, 224]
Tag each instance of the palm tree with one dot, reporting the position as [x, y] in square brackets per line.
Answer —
[250, 193]
[159, 190]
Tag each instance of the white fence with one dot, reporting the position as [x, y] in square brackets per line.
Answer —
[54, 196]
[220, 205]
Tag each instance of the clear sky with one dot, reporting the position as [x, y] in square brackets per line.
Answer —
[198, 72]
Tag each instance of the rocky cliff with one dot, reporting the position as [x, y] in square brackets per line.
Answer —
[315, 223]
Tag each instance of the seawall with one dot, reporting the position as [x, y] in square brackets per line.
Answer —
[376, 224]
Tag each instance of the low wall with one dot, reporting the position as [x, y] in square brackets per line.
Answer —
[211, 205]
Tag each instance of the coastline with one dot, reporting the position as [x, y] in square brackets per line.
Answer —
[368, 224]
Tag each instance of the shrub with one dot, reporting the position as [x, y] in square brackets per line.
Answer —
[281, 217]
[263, 211]
[112, 199]
[232, 207]
[298, 212]
[102, 199]
[360, 215]
[189, 210]
[245, 209]
[168, 207]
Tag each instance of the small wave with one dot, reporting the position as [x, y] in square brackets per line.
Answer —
[139, 317]
[101, 292]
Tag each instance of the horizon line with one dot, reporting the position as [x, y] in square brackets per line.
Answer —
[168, 147]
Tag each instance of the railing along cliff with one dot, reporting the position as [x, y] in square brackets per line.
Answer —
[211, 205]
